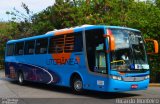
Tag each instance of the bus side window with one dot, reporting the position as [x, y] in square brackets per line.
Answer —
[78, 42]
[41, 46]
[56, 44]
[19, 48]
[29, 47]
[10, 50]
[73, 42]
[95, 47]
[66, 43]
[69, 43]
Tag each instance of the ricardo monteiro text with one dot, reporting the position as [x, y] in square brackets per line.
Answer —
[138, 101]
[148, 101]
[126, 101]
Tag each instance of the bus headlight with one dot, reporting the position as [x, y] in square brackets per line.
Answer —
[147, 77]
[116, 77]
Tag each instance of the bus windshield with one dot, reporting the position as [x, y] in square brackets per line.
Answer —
[129, 54]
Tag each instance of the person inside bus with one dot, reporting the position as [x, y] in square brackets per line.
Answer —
[125, 56]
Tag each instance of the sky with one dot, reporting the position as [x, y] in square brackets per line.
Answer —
[34, 5]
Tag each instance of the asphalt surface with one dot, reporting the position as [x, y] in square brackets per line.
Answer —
[35, 93]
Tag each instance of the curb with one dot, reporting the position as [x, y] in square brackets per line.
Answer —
[2, 75]
[154, 85]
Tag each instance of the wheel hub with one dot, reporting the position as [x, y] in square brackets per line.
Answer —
[20, 78]
[78, 85]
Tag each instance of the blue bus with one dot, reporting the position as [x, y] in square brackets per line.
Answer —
[92, 57]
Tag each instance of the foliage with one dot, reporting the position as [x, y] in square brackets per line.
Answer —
[128, 13]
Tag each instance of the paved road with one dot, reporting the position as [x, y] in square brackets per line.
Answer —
[47, 94]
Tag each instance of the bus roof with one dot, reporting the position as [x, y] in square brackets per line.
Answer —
[69, 30]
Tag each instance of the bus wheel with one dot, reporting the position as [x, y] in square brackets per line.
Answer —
[77, 85]
[20, 78]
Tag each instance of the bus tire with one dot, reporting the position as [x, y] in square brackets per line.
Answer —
[77, 85]
[20, 78]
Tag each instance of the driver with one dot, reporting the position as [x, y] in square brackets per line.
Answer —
[125, 56]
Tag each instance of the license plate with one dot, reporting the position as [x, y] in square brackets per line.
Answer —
[134, 86]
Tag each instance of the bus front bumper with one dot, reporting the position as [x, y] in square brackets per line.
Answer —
[120, 85]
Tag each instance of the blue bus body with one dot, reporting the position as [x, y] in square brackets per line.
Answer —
[58, 68]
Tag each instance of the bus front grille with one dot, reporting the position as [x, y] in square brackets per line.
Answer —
[132, 79]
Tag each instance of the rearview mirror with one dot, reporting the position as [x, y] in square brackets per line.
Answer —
[152, 46]
[111, 42]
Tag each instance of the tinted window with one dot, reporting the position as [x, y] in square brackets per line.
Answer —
[41, 46]
[56, 44]
[96, 52]
[19, 48]
[78, 42]
[73, 42]
[69, 43]
[29, 47]
[10, 49]
[66, 43]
